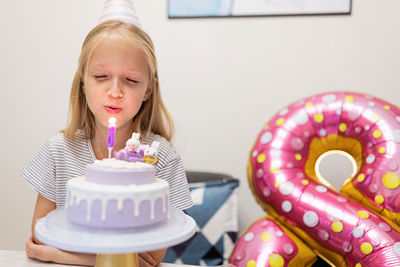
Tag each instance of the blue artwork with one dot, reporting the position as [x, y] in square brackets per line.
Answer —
[216, 8]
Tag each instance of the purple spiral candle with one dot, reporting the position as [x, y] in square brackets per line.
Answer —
[111, 135]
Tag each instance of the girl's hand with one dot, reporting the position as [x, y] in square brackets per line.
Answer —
[40, 252]
[48, 253]
[151, 258]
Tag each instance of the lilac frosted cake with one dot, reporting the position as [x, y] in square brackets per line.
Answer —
[117, 194]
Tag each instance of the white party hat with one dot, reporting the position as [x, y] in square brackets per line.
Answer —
[121, 10]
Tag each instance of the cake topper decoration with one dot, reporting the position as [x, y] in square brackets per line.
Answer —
[121, 10]
[134, 151]
[111, 135]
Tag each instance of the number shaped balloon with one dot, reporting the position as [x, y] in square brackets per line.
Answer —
[357, 227]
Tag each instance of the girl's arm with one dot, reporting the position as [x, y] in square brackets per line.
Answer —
[152, 258]
[42, 207]
[37, 250]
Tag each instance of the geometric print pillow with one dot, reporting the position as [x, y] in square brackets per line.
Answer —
[215, 211]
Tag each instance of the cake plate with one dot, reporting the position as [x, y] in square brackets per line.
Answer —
[114, 247]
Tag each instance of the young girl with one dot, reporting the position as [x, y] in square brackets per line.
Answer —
[116, 77]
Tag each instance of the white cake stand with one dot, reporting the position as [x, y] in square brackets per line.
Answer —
[114, 247]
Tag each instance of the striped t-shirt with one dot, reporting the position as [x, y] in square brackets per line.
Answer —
[59, 159]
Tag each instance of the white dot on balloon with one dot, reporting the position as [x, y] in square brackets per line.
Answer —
[255, 153]
[323, 132]
[240, 255]
[369, 171]
[393, 166]
[367, 127]
[286, 188]
[286, 206]
[358, 130]
[373, 188]
[288, 248]
[301, 118]
[342, 199]
[370, 159]
[266, 138]
[289, 165]
[398, 118]
[297, 144]
[358, 232]
[351, 208]
[335, 215]
[329, 98]
[307, 198]
[385, 227]
[248, 237]
[280, 178]
[324, 235]
[266, 191]
[321, 188]
[260, 173]
[371, 104]
[278, 233]
[310, 219]
[396, 135]
[284, 111]
[339, 112]
[333, 218]
[264, 223]
[396, 248]
[347, 247]
[354, 115]
[276, 152]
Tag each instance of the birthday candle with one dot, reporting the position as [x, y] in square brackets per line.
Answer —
[111, 135]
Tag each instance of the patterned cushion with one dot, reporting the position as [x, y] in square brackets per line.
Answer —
[216, 214]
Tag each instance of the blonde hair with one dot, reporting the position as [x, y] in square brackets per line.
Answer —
[153, 117]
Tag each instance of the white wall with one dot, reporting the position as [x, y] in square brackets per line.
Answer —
[222, 79]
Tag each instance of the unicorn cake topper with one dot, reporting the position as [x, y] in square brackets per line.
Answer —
[134, 151]
[121, 10]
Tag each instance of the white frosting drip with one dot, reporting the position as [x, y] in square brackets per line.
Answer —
[79, 189]
[120, 204]
[121, 164]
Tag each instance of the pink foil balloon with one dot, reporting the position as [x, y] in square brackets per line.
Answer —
[283, 180]
[266, 243]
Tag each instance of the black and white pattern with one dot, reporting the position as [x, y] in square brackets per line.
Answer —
[215, 211]
[59, 159]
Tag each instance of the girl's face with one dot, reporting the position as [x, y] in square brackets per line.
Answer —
[116, 81]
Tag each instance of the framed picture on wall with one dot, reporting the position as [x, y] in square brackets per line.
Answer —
[248, 8]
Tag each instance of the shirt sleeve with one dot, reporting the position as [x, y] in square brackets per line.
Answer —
[179, 193]
[40, 172]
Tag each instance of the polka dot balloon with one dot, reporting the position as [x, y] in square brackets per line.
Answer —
[356, 227]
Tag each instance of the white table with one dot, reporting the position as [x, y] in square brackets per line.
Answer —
[18, 259]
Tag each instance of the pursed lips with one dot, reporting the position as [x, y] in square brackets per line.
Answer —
[113, 109]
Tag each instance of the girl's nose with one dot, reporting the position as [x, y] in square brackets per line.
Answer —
[115, 90]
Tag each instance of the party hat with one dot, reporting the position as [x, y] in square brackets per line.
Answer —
[121, 10]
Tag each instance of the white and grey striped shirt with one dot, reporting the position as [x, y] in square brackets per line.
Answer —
[59, 159]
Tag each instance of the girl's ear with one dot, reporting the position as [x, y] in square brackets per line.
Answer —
[147, 95]
[149, 91]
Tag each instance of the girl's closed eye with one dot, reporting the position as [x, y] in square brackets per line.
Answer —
[100, 76]
[131, 80]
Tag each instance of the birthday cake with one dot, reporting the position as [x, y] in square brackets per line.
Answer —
[120, 192]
